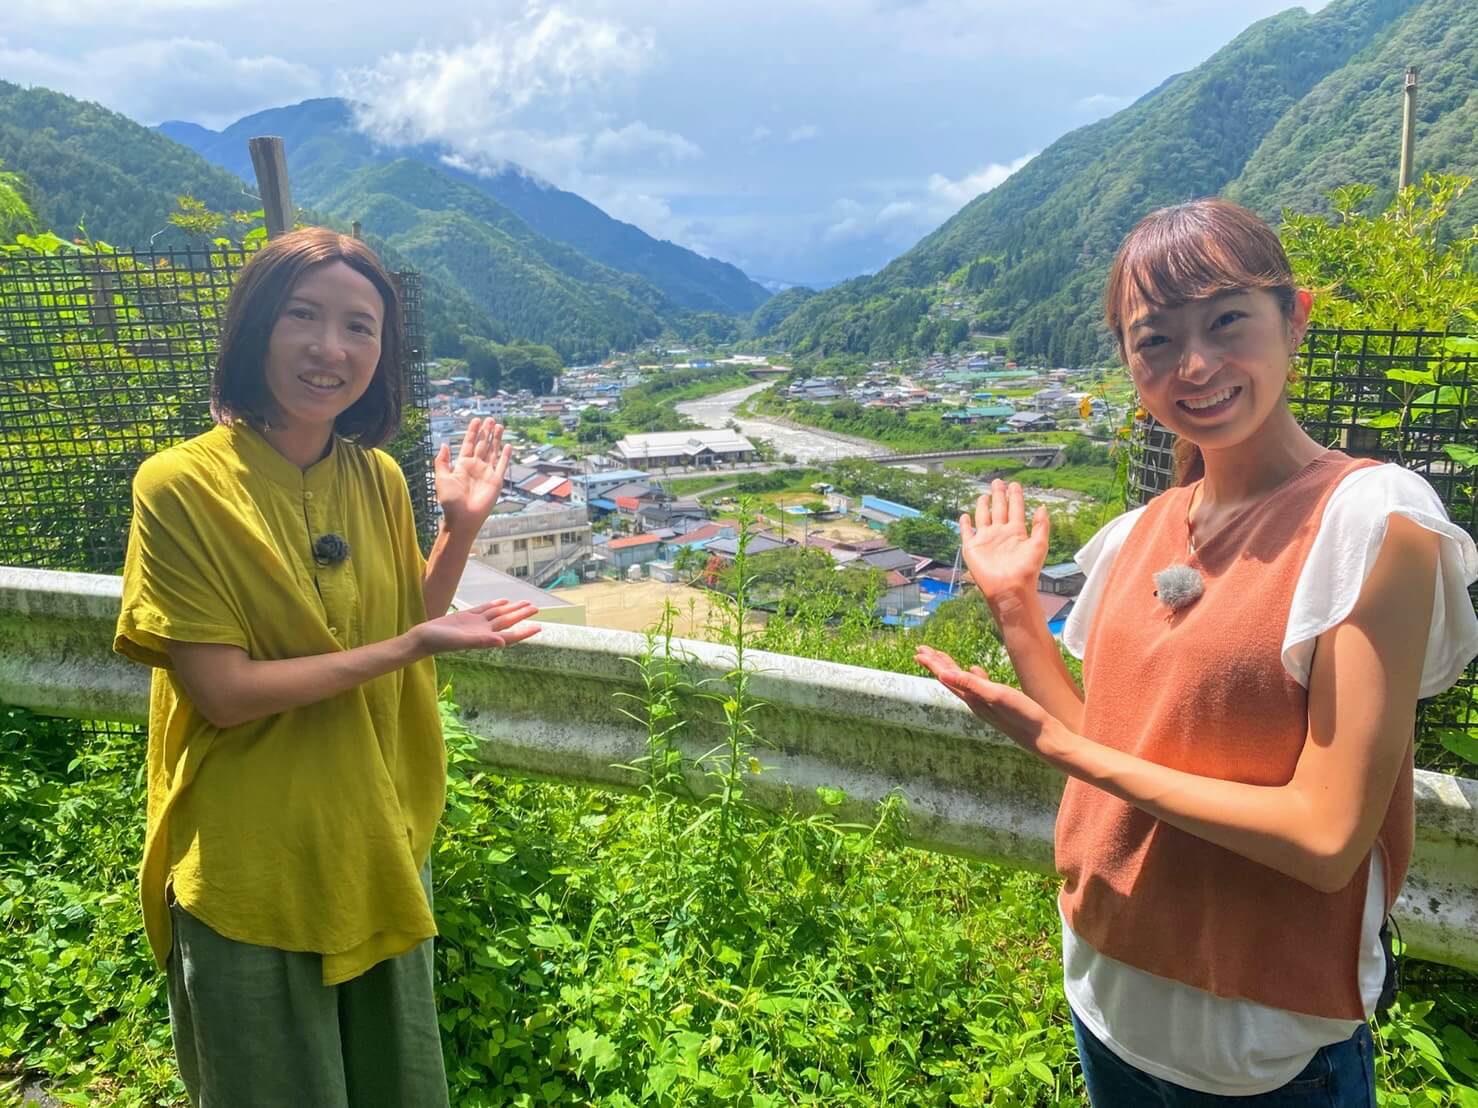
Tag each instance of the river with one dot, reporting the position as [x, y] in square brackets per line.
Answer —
[807, 445]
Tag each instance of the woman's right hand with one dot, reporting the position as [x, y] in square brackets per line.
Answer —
[488, 626]
[1004, 559]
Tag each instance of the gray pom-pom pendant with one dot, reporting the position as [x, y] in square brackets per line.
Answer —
[1178, 586]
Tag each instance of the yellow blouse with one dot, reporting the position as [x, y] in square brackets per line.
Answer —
[306, 830]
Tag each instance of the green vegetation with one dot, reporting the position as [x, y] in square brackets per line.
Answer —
[16, 217]
[1293, 106]
[1413, 266]
[926, 537]
[516, 365]
[89, 166]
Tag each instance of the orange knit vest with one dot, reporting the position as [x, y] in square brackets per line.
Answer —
[1204, 690]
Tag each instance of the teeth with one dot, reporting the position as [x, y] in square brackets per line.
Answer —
[1209, 401]
[322, 381]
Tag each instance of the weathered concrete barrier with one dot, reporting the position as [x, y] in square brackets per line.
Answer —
[550, 709]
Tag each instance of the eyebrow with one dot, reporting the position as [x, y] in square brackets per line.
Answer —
[310, 302]
[1149, 319]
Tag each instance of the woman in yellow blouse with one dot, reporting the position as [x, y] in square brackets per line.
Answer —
[296, 766]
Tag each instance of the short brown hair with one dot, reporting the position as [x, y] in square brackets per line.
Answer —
[239, 386]
[1193, 251]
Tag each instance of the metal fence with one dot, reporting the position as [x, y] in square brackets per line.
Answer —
[105, 359]
[1397, 396]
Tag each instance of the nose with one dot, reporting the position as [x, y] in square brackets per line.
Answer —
[326, 346]
[1199, 362]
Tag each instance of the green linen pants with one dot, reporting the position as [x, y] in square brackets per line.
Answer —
[256, 1027]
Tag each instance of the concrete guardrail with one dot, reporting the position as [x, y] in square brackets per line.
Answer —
[549, 709]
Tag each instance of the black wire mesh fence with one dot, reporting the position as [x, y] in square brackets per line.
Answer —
[105, 359]
[1397, 396]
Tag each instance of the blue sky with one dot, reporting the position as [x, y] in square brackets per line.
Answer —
[804, 140]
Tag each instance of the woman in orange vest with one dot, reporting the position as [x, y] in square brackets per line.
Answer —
[1237, 820]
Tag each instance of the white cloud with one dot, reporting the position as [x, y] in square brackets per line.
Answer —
[458, 95]
[955, 194]
[759, 134]
[803, 133]
[156, 79]
[638, 141]
[1102, 103]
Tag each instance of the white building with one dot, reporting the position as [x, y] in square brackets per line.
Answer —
[540, 543]
[684, 448]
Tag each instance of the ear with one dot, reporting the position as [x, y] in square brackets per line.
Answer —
[1303, 307]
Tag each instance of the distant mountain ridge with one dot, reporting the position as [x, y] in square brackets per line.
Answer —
[1294, 106]
[324, 147]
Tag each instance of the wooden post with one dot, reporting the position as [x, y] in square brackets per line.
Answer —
[269, 160]
[355, 230]
[1408, 127]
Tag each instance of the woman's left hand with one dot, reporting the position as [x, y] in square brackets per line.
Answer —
[1010, 711]
[468, 488]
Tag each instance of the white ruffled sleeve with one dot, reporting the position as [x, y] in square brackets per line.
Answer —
[1095, 559]
[1348, 543]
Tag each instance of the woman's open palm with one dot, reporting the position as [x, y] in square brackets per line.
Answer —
[1002, 555]
[468, 488]
[489, 626]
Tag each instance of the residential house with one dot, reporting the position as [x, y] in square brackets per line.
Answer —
[587, 487]
[1031, 421]
[1062, 579]
[632, 550]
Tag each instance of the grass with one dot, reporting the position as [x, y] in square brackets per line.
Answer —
[617, 950]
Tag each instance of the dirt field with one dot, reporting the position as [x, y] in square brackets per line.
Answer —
[636, 606]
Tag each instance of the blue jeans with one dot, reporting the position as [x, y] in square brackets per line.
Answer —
[1339, 1076]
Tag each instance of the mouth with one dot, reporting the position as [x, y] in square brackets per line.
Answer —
[1211, 404]
[323, 383]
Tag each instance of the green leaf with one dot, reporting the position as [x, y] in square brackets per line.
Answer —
[1412, 376]
[1465, 456]
[1383, 421]
[1461, 743]
[1040, 1071]
[829, 796]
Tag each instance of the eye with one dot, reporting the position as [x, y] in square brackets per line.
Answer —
[300, 313]
[1152, 340]
[1229, 317]
[363, 329]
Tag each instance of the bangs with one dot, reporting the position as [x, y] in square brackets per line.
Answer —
[1192, 252]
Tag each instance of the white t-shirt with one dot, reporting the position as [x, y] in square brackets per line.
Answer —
[1224, 1045]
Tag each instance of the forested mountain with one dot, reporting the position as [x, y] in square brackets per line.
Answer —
[323, 148]
[88, 166]
[1348, 128]
[775, 310]
[538, 289]
[1294, 105]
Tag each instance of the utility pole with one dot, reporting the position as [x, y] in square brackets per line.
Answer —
[269, 160]
[1408, 127]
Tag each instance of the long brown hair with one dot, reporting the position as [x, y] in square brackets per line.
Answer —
[239, 385]
[1189, 252]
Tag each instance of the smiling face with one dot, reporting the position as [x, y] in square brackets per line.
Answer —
[324, 347]
[1213, 370]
